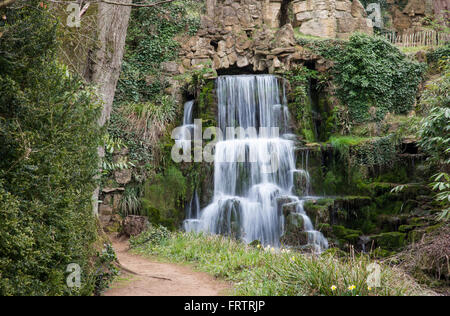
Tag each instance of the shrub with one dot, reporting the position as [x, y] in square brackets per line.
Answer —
[48, 148]
[373, 77]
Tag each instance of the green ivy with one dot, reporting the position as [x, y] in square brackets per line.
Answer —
[299, 79]
[151, 40]
[164, 196]
[372, 77]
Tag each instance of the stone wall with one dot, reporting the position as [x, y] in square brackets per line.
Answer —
[408, 16]
[331, 18]
[247, 33]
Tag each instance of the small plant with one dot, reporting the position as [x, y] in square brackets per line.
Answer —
[155, 235]
[106, 269]
[109, 163]
[130, 203]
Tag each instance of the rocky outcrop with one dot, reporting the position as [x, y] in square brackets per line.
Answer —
[248, 33]
[261, 49]
[331, 18]
[133, 225]
[410, 17]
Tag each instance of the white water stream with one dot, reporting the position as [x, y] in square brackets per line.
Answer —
[253, 171]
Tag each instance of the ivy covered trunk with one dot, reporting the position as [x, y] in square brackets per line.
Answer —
[106, 64]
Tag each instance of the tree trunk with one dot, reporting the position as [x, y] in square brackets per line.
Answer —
[105, 66]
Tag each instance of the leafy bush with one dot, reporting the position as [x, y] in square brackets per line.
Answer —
[299, 78]
[373, 77]
[130, 203]
[434, 137]
[155, 235]
[48, 148]
[438, 54]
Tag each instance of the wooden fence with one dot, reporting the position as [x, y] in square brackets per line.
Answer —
[424, 38]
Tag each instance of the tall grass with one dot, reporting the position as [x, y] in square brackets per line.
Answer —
[150, 120]
[268, 271]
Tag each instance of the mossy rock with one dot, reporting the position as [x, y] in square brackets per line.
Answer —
[294, 221]
[319, 211]
[324, 228]
[417, 221]
[381, 253]
[341, 232]
[415, 235]
[406, 228]
[390, 240]
[433, 228]
[352, 238]
[296, 238]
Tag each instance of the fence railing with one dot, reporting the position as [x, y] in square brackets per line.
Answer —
[424, 38]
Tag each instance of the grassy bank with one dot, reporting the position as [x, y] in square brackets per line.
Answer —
[258, 271]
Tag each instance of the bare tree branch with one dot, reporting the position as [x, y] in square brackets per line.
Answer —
[5, 3]
[137, 5]
[85, 7]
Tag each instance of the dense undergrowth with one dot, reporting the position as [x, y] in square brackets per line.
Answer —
[48, 147]
[145, 111]
[266, 271]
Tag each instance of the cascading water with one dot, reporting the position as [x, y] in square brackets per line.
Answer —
[254, 168]
[184, 137]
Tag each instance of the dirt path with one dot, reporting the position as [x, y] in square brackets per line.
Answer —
[158, 279]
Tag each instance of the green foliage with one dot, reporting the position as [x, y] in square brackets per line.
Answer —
[373, 77]
[151, 40]
[154, 235]
[130, 203]
[358, 151]
[106, 260]
[163, 198]
[259, 271]
[142, 111]
[109, 163]
[196, 79]
[441, 184]
[150, 120]
[439, 53]
[434, 134]
[343, 143]
[299, 78]
[48, 147]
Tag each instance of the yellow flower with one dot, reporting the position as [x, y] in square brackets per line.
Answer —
[351, 287]
[369, 288]
[259, 246]
[293, 259]
[333, 288]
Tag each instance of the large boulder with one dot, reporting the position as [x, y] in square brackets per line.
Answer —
[133, 225]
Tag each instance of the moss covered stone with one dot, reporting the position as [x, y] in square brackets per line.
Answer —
[390, 240]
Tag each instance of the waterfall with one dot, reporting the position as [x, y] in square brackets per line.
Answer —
[192, 222]
[254, 168]
[184, 137]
